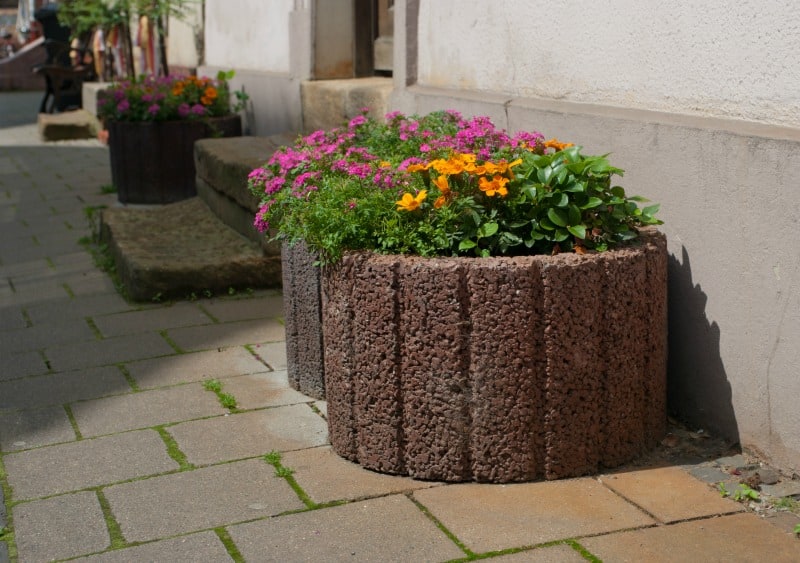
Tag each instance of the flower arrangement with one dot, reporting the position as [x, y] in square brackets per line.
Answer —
[169, 98]
[442, 185]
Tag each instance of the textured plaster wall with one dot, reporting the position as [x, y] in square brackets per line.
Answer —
[242, 34]
[720, 58]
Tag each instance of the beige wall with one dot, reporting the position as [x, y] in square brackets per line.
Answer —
[727, 185]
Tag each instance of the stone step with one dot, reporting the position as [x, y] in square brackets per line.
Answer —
[76, 124]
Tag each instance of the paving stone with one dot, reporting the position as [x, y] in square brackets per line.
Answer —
[20, 365]
[250, 434]
[669, 493]
[552, 554]
[267, 305]
[11, 318]
[60, 388]
[735, 461]
[782, 489]
[740, 537]
[259, 390]
[228, 334]
[45, 335]
[194, 366]
[77, 308]
[87, 463]
[352, 532]
[60, 527]
[176, 315]
[4, 557]
[322, 406]
[200, 499]
[327, 477]
[272, 353]
[709, 474]
[25, 429]
[492, 517]
[205, 547]
[108, 351]
[145, 409]
[89, 283]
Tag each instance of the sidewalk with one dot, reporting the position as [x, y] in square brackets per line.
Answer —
[114, 446]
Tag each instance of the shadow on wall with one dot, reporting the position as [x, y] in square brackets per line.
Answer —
[698, 391]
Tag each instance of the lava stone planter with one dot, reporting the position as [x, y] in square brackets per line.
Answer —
[153, 162]
[498, 369]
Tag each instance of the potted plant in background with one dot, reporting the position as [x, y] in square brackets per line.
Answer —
[152, 126]
[493, 307]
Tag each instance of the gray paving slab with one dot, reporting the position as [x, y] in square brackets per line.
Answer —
[195, 366]
[264, 304]
[89, 284]
[35, 292]
[258, 390]
[145, 409]
[550, 554]
[108, 351]
[21, 365]
[326, 477]
[87, 463]
[250, 434]
[384, 529]
[205, 547]
[200, 499]
[60, 527]
[228, 334]
[272, 353]
[60, 388]
[79, 307]
[11, 318]
[25, 429]
[492, 518]
[44, 335]
[149, 320]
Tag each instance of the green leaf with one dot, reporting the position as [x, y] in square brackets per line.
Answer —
[574, 215]
[651, 209]
[561, 235]
[487, 230]
[466, 244]
[592, 202]
[558, 217]
[577, 231]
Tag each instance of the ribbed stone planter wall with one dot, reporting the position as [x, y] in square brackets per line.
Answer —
[303, 316]
[500, 369]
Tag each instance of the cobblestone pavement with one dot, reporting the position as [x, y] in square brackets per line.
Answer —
[114, 446]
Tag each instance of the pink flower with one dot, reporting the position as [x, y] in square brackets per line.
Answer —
[198, 109]
[153, 109]
[123, 106]
[184, 110]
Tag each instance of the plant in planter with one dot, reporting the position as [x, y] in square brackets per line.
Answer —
[153, 124]
[494, 308]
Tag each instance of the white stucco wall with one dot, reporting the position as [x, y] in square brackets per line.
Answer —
[247, 35]
[181, 45]
[720, 58]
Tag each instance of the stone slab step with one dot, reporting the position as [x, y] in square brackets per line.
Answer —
[76, 124]
[182, 248]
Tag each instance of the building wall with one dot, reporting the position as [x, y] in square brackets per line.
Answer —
[698, 102]
[727, 59]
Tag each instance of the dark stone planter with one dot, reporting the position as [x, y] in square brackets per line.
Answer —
[154, 162]
[499, 369]
[303, 317]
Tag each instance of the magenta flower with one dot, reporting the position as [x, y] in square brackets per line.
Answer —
[153, 109]
[184, 110]
[198, 109]
[123, 106]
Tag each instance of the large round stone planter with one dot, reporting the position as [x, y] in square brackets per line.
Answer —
[153, 162]
[499, 369]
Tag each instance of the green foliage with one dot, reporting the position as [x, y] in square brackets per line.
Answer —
[797, 529]
[744, 492]
[212, 385]
[441, 185]
[273, 457]
[723, 490]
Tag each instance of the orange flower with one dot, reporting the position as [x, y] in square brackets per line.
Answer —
[177, 89]
[493, 187]
[556, 144]
[409, 203]
[440, 201]
[416, 167]
[210, 93]
[441, 183]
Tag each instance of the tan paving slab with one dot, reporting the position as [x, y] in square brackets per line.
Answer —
[734, 538]
[259, 390]
[88, 463]
[108, 351]
[669, 493]
[196, 366]
[21, 430]
[250, 434]
[20, 365]
[497, 517]
[60, 527]
[273, 354]
[200, 499]
[327, 477]
[205, 547]
[228, 334]
[132, 322]
[384, 529]
[60, 388]
[263, 305]
[145, 409]
[552, 554]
